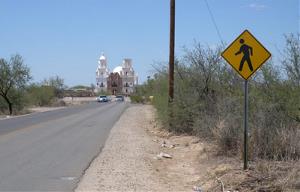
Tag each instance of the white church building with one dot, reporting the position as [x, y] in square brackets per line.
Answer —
[122, 80]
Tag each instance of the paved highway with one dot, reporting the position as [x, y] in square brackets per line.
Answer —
[49, 151]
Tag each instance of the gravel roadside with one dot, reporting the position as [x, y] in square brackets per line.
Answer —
[130, 162]
[125, 161]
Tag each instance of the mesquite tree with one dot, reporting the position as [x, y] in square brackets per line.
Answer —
[14, 75]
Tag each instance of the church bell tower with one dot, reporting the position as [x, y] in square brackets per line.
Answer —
[102, 74]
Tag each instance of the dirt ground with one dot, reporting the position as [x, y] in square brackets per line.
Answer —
[140, 156]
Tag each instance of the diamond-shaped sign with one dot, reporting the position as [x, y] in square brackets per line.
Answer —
[246, 54]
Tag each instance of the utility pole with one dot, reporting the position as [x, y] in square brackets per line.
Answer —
[171, 53]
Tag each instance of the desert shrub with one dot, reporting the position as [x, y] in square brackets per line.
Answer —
[291, 59]
[19, 102]
[228, 125]
[40, 95]
[274, 135]
[274, 118]
[137, 99]
[209, 102]
[57, 83]
[19, 99]
[3, 106]
[159, 91]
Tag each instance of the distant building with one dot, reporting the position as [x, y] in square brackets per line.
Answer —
[114, 83]
[102, 74]
[122, 80]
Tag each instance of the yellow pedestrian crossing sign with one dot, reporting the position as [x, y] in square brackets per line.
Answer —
[246, 54]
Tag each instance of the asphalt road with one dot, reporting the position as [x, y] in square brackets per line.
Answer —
[49, 151]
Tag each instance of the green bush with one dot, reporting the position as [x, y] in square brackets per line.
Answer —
[40, 95]
[136, 99]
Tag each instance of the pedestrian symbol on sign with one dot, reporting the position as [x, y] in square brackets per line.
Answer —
[247, 51]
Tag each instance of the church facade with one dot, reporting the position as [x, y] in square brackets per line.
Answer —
[122, 80]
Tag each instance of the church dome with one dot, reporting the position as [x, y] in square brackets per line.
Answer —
[118, 69]
[102, 57]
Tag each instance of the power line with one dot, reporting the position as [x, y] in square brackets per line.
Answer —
[214, 21]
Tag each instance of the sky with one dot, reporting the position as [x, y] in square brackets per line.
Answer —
[66, 37]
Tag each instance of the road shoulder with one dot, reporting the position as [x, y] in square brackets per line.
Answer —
[141, 156]
[125, 161]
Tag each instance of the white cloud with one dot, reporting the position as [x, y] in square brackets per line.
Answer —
[256, 6]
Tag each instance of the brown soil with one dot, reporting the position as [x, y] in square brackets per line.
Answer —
[130, 161]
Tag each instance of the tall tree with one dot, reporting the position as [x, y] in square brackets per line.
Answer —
[14, 75]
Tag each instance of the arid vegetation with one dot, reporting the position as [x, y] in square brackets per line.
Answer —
[209, 102]
[14, 75]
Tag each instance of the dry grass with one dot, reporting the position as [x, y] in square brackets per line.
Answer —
[212, 168]
[263, 176]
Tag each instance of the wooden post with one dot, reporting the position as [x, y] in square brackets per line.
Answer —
[171, 53]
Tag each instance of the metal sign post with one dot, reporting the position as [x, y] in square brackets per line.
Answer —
[246, 126]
